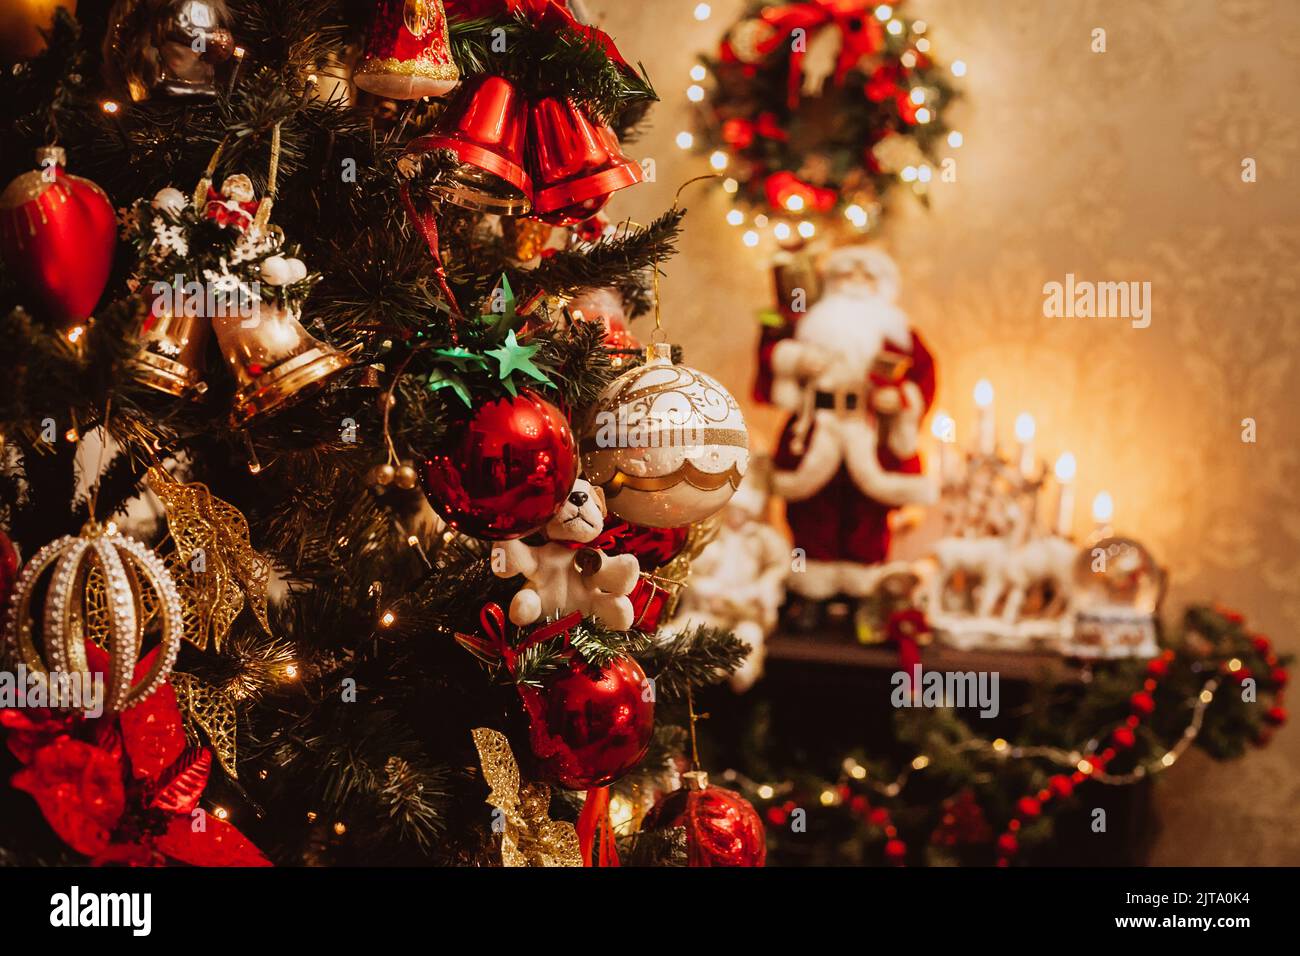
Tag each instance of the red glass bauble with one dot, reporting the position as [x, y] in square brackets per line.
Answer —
[8, 568]
[652, 547]
[590, 725]
[504, 471]
[57, 234]
[722, 828]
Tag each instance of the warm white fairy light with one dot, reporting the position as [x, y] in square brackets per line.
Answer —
[924, 174]
[761, 221]
[908, 59]
[735, 217]
[955, 139]
[685, 140]
[907, 174]
[698, 73]
[923, 45]
[919, 27]
[895, 27]
[807, 229]
[794, 203]
[884, 12]
[703, 11]
[923, 115]
[958, 67]
[782, 231]
[856, 215]
[1103, 507]
[917, 95]
[718, 160]
[750, 238]
[1066, 467]
[730, 186]
[695, 93]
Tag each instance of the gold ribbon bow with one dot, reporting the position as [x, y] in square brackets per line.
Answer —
[528, 836]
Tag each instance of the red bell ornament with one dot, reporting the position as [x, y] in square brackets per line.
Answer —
[57, 234]
[408, 53]
[505, 470]
[590, 725]
[485, 126]
[722, 828]
[577, 165]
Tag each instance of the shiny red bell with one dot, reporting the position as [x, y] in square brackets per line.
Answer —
[484, 125]
[576, 164]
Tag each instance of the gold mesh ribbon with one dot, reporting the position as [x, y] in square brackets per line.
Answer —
[232, 572]
[209, 710]
[529, 837]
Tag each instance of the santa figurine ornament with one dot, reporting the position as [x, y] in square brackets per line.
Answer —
[858, 380]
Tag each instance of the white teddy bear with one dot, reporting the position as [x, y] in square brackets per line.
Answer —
[562, 579]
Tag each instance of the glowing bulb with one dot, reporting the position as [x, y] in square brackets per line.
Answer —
[921, 762]
[735, 217]
[240, 52]
[1066, 467]
[983, 393]
[782, 231]
[920, 26]
[730, 186]
[750, 238]
[828, 797]
[75, 333]
[917, 95]
[685, 140]
[895, 27]
[698, 73]
[111, 527]
[856, 215]
[908, 59]
[794, 203]
[718, 160]
[908, 174]
[1085, 766]
[695, 92]
[109, 107]
[999, 745]
[340, 828]
[766, 791]
[807, 229]
[1103, 507]
[703, 11]
[761, 221]
[220, 813]
[412, 540]
[923, 45]
[1025, 427]
[958, 67]
[884, 11]
[944, 427]
[388, 618]
[71, 435]
[925, 174]
[955, 139]
[923, 115]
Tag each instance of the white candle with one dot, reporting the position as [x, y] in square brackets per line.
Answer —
[1065, 470]
[1103, 511]
[1025, 428]
[987, 424]
[944, 428]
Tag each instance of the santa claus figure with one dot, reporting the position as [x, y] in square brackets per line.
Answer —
[858, 381]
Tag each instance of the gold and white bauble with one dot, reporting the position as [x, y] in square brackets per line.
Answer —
[106, 588]
[666, 443]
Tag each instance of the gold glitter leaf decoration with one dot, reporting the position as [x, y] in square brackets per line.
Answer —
[227, 571]
[530, 837]
[207, 708]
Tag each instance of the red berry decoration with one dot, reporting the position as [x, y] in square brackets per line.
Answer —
[1124, 738]
[1008, 845]
[1278, 677]
[590, 725]
[1276, 716]
[57, 234]
[722, 828]
[505, 470]
[1028, 807]
[896, 852]
[1158, 668]
[1142, 703]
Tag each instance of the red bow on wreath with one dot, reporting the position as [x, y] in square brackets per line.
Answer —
[860, 35]
[128, 794]
[543, 14]
[780, 187]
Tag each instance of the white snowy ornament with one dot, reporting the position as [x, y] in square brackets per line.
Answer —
[170, 199]
[666, 443]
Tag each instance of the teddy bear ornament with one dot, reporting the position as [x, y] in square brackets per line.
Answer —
[561, 575]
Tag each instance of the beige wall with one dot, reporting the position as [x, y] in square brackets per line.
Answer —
[1122, 165]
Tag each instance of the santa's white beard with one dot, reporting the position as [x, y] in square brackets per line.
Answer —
[854, 329]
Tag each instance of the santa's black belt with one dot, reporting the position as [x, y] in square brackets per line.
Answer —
[847, 401]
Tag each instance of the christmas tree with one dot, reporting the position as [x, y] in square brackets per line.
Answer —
[321, 351]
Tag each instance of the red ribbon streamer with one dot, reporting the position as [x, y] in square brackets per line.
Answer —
[596, 830]
[860, 33]
[427, 222]
[543, 14]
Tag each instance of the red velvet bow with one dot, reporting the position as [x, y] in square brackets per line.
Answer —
[785, 184]
[128, 795]
[544, 14]
[861, 35]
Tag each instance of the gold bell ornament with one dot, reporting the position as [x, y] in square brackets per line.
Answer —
[106, 589]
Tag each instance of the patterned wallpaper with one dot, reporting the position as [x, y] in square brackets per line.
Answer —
[1123, 165]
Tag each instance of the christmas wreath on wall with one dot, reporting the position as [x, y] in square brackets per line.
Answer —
[820, 107]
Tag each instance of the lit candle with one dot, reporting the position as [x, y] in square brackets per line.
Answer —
[944, 428]
[984, 401]
[1065, 470]
[1103, 510]
[1025, 428]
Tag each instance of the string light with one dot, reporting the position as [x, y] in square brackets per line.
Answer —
[924, 174]
[923, 45]
[290, 671]
[685, 140]
[958, 67]
[920, 762]
[75, 333]
[794, 203]
[923, 115]
[807, 230]
[735, 217]
[884, 12]
[750, 238]
[955, 139]
[703, 11]
[340, 828]
[782, 231]
[695, 93]
[856, 215]
[908, 174]
[71, 435]
[730, 186]
[1103, 507]
[895, 27]
[221, 813]
[110, 107]
[917, 95]
[766, 791]
[387, 619]
[718, 160]
[698, 73]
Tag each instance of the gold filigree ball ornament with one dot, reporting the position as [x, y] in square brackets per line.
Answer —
[107, 589]
[666, 442]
